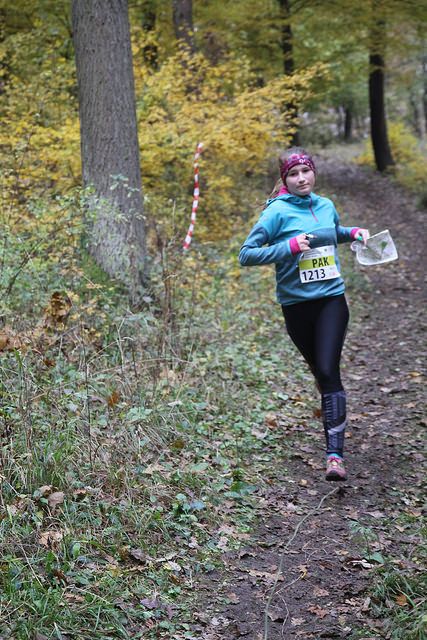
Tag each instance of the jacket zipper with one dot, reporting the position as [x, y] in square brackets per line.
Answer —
[311, 209]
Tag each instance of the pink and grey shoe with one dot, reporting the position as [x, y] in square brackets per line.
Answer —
[335, 469]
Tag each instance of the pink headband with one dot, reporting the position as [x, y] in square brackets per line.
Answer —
[293, 160]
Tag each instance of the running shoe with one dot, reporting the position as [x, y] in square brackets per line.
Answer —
[335, 469]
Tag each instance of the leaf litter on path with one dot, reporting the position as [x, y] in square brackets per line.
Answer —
[331, 599]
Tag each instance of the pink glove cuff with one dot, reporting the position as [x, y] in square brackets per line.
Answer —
[293, 243]
[354, 232]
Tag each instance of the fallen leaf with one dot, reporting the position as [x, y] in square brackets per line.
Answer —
[376, 514]
[319, 592]
[290, 506]
[73, 597]
[152, 468]
[352, 602]
[222, 543]
[57, 310]
[138, 554]
[271, 420]
[233, 598]
[79, 494]
[227, 530]
[42, 492]
[9, 340]
[4, 339]
[260, 435]
[172, 566]
[264, 574]
[276, 615]
[50, 539]
[169, 556]
[55, 498]
[178, 444]
[12, 510]
[151, 603]
[402, 600]
[113, 398]
[363, 563]
[317, 611]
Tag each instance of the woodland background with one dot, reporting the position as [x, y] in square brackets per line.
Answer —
[114, 409]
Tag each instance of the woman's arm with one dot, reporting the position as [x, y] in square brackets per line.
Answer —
[254, 253]
[347, 234]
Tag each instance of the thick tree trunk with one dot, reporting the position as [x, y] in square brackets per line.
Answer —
[288, 56]
[183, 22]
[109, 143]
[379, 137]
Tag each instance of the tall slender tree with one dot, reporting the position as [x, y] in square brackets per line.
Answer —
[424, 99]
[288, 56]
[109, 143]
[148, 20]
[287, 37]
[183, 22]
[380, 143]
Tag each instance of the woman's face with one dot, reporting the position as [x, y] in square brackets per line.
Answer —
[300, 180]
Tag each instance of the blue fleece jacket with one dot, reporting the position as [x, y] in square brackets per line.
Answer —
[285, 217]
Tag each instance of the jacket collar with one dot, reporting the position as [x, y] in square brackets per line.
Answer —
[304, 201]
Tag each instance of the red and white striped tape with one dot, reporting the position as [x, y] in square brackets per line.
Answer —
[196, 192]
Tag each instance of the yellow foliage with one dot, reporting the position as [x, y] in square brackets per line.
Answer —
[39, 127]
[185, 101]
[411, 162]
[189, 101]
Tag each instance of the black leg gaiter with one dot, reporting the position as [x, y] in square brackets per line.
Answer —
[334, 420]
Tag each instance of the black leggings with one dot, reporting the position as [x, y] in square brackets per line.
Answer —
[318, 328]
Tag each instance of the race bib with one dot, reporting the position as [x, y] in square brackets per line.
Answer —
[318, 264]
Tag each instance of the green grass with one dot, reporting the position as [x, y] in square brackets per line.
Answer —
[398, 596]
[146, 424]
[152, 424]
[400, 599]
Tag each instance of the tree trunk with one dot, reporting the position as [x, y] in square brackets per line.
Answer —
[109, 142]
[150, 51]
[288, 57]
[348, 123]
[287, 38]
[380, 143]
[424, 68]
[183, 22]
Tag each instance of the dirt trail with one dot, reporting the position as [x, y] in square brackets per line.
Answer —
[322, 586]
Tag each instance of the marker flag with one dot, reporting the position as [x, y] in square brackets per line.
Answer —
[196, 192]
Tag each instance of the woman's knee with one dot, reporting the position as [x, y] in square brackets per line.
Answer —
[329, 379]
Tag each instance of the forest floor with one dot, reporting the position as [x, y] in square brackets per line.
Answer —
[162, 469]
[322, 557]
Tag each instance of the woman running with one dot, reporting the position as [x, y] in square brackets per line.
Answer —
[301, 230]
